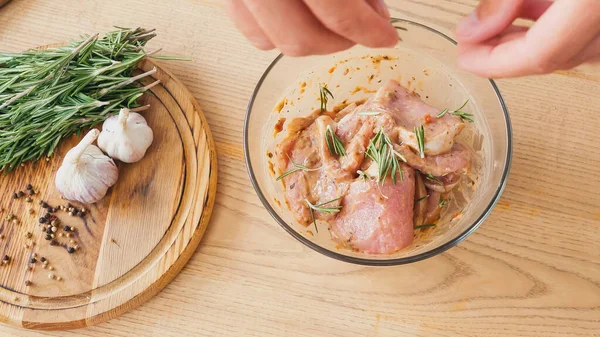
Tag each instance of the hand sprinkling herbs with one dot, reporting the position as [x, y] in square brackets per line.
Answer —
[320, 208]
[324, 94]
[334, 144]
[381, 150]
[420, 134]
[458, 112]
[297, 167]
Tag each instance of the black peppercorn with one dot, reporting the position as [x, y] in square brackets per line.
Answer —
[67, 228]
[20, 194]
[48, 237]
[15, 196]
[71, 250]
[33, 260]
[47, 215]
[31, 192]
[6, 258]
[45, 204]
[49, 230]
[42, 220]
[29, 187]
[53, 243]
[43, 259]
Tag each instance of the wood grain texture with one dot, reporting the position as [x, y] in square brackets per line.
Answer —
[532, 269]
[132, 242]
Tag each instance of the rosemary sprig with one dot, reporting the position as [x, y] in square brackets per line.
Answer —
[334, 143]
[420, 134]
[433, 178]
[297, 167]
[422, 198]
[363, 175]
[425, 226]
[48, 95]
[320, 208]
[381, 150]
[458, 112]
[324, 94]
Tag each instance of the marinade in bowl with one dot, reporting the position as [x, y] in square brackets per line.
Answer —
[320, 104]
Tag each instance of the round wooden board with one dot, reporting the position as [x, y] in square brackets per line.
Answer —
[132, 242]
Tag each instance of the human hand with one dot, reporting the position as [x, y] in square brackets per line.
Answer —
[565, 35]
[306, 27]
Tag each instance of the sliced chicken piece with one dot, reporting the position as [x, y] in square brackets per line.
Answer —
[410, 111]
[420, 200]
[457, 160]
[434, 207]
[301, 148]
[375, 218]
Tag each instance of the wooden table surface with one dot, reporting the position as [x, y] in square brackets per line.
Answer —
[532, 269]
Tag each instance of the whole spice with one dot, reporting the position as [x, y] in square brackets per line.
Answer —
[50, 94]
[86, 173]
[71, 250]
[125, 137]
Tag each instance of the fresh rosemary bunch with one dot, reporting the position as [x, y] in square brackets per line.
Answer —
[48, 95]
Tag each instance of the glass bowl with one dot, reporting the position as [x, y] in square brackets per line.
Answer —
[424, 61]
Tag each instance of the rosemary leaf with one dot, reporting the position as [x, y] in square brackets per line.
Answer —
[324, 94]
[420, 134]
[363, 175]
[319, 208]
[422, 198]
[334, 143]
[458, 112]
[381, 151]
[425, 226]
[297, 167]
[433, 178]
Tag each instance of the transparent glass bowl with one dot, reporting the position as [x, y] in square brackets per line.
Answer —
[424, 61]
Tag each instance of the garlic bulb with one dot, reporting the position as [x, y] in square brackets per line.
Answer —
[86, 173]
[125, 137]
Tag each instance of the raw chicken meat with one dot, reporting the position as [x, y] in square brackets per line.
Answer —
[375, 218]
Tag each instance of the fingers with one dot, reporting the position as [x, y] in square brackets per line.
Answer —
[293, 28]
[381, 8]
[245, 23]
[559, 36]
[356, 20]
[493, 16]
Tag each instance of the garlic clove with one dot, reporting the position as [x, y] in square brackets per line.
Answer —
[86, 173]
[126, 137]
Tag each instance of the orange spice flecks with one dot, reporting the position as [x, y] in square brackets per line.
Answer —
[278, 126]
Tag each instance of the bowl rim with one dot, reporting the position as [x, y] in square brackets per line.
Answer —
[380, 262]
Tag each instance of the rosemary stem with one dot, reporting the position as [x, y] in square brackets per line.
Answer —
[126, 82]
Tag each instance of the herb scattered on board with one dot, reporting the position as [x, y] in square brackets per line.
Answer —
[297, 167]
[381, 150]
[425, 226]
[320, 208]
[334, 143]
[48, 95]
[420, 134]
[324, 95]
[458, 112]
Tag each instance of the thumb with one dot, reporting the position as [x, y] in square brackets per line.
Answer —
[489, 19]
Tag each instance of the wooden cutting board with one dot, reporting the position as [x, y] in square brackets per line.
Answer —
[131, 243]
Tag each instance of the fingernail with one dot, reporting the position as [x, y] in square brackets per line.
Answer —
[468, 25]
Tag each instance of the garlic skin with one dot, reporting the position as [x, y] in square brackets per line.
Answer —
[125, 137]
[86, 173]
